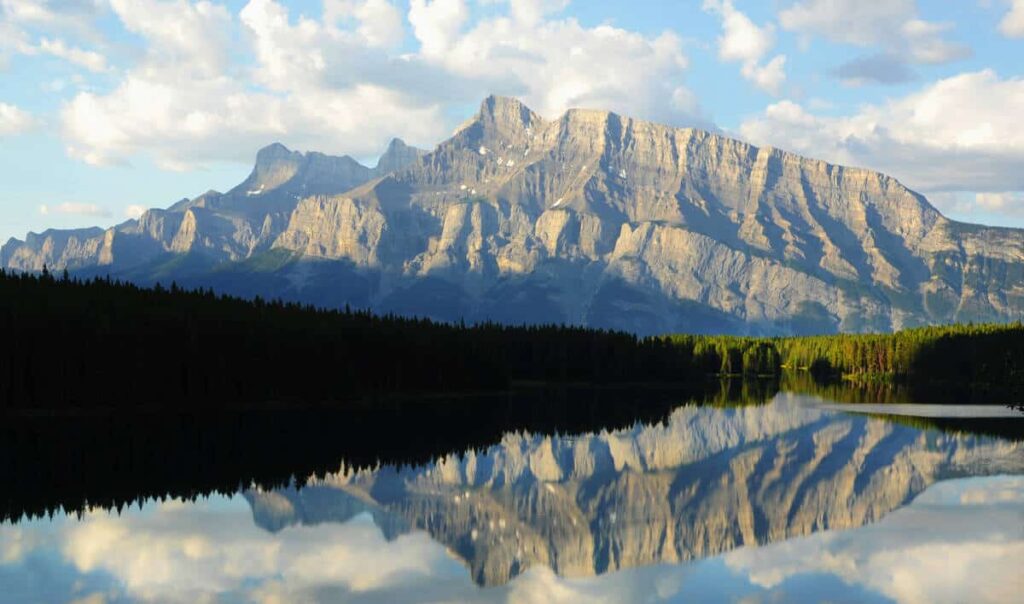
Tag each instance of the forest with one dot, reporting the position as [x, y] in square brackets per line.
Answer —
[978, 354]
[101, 344]
[71, 344]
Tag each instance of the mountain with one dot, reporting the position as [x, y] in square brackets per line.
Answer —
[706, 481]
[590, 218]
[210, 229]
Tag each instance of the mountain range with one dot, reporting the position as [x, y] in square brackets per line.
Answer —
[591, 218]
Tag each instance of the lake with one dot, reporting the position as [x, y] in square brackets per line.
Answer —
[741, 494]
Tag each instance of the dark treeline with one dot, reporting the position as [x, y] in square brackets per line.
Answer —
[111, 461]
[72, 344]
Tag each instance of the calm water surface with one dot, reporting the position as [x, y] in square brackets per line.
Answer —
[793, 500]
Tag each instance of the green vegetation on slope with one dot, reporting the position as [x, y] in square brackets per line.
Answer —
[967, 354]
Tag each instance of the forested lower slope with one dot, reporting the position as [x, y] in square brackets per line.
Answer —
[102, 343]
[71, 344]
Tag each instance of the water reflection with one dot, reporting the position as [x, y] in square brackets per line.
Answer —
[788, 501]
[701, 483]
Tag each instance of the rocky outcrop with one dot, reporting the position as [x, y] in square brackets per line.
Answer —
[705, 482]
[598, 219]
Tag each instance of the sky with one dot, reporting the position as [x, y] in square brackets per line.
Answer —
[108, 107]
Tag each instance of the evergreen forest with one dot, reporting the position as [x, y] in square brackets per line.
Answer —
[73, 344]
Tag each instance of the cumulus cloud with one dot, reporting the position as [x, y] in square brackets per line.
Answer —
[14, 120]
[744, 42]
[193, 32]
[893, 28]
[70, 208]
[341, 82]
[560, 64]
[436, 23]
[379, 21]
[958, 134]
[1012, 25]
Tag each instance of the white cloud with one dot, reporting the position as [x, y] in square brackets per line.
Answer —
[341, 83]
[70, 208]
[850, 21]
[306, 88]
[892, 26]
[1012, 25]
[379, 21]
[93, 61]
[134, 211]
[193, 32]
[532, 11]
[768, 77]
[62, 14]
[1007, 202]
[960, 133]
[436, 23]
[558, 64]
[14, 120]
[744, 42]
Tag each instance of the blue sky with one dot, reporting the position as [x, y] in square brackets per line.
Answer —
[111, 106]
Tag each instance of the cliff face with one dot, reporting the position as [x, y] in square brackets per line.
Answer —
[597, 219]
[707, 481]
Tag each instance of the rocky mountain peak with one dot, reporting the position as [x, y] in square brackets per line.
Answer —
[506, 116]
[275, 165]
[397, 156]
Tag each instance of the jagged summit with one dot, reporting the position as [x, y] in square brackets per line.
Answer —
[397, 156]
[506, 111]
[590, 218]
[275, 151]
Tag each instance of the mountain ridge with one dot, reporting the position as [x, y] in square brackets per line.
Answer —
[589, 218]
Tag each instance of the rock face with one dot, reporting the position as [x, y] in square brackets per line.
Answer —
[707, 481]
[591, 218]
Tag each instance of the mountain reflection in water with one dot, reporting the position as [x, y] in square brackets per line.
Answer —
[787, 499]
